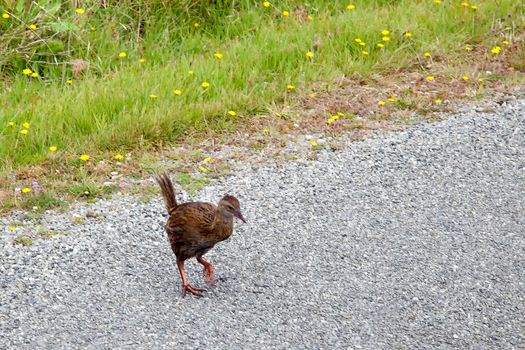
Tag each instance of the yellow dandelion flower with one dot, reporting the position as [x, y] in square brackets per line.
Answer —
[118, 157]
[26, 125]
[505, 42]
[207, 159]
[474, 8]
[430, 78]
[464, 4]
[481, 80]
[427, 54]
[32, 26]
[365, 53]
[437, 1]
[386, 38]
[196, 25]
[340, 114]
[266, 4]
[286, 13]
[142, 60]
[205, 85]
[381, 103]
[438, 100]
[391, 99]
[310, 18]
[80, 11]
[202, 169]
[496, 50]
[190, 72]
[11, 228]
[69, 81]
[468, 48]
[329, 121]
[362, 43]
[357, 40]
[5, 15]
[11, 123]
[385, 32]
[122, 54]
[24, 131]
[177, 92]
[84, 157]
[27, 71]
[380, 45]
[217, 55]
[290, 87]
[232, 113]
[350, 7]
[465, 77]
[313, 143]
[53, 148]
[408, 34]
[312, 95]
[153, 97]
[35, 75]
[26, 190]
[310, 54]
[335, 117]
[266, 130]
[93, 28]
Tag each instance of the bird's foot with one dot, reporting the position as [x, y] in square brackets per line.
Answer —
[192, 290]
[209, 275]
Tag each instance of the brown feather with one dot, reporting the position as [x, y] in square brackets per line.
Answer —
[167, 192]
[194, 228]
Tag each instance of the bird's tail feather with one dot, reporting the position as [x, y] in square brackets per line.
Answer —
[167, 192]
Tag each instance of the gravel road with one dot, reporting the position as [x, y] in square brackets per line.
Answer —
[413, 239]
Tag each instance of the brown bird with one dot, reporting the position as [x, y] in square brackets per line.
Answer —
[194, 228]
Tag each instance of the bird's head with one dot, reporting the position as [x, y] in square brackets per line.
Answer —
[231, 206]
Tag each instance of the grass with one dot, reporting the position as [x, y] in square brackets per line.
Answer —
[23, 240]
[88, 100]
[42, 202]
[40, 232]
[191, 183]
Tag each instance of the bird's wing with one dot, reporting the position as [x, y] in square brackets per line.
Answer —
[191, 221]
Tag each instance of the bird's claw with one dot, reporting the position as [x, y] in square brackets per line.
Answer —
[192, 290]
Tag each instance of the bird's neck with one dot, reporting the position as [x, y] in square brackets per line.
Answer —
[222, 224]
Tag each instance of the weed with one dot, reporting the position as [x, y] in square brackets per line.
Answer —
[78, 220]
[144, 199]
[190, 182]
[90, 190]
[42, 202]
[16, 224]
[23, 240]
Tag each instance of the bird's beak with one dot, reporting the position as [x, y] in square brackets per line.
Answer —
[238, 214]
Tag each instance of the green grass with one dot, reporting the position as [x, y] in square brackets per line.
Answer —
[191, 183]
[23, 240]
[107, 107]
[43, 201]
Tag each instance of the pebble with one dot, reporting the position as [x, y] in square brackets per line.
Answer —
[409, 239]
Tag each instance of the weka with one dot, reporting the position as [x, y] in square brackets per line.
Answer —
[194, 228]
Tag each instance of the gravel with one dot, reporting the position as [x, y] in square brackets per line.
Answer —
[413, 239]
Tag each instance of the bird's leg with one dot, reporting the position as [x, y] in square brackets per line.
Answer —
[185, 286]
[209, 275]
